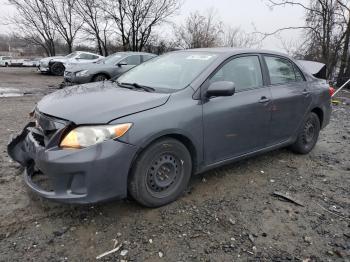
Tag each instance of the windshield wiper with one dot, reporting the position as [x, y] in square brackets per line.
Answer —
[136, 86]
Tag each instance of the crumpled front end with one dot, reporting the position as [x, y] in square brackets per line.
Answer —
[93, 174]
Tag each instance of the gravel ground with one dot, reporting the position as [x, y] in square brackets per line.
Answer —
[227, 214]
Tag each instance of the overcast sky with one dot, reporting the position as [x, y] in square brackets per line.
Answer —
[242, 13]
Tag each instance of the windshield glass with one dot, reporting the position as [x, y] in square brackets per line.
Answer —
[71, 55]
[111, 59]
[174, 70]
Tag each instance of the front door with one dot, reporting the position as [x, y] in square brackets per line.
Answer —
[238, 124]
[126, 64]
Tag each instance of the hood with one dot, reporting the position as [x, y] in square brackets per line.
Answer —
[98, 103]
[62, 59]
[47, 59]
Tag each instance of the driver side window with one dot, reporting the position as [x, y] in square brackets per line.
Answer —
[244, 72]
[132, 60]
[87, 56]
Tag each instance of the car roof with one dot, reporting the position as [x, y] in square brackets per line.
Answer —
[233, 51]
[133, 53]
[79, 52]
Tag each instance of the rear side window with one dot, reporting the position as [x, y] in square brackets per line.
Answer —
[244, 72]
[298, 75]
[281, 71]
[87, 56]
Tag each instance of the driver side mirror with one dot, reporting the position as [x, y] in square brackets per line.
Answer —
[221, 88]
[122, 63]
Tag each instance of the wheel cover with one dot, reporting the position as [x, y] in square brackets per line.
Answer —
[57, 69]
[100, 78]
[309, 131]
[163, 175]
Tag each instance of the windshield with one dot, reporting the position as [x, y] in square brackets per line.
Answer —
[111, 59]
[174, 70]
[71, 55]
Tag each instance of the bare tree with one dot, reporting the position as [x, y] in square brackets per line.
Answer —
[236, 37]
[65, 20]
[200, 31]
[136, 19]
[35, 24]
[344, 70]
[324, 30]
[96, 23]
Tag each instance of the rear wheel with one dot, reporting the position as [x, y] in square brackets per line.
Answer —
[308, 135]
[57, 69]
[100, 77]
[161, 173]
[6, 64]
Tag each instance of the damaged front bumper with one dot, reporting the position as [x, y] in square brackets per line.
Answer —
[94, 174]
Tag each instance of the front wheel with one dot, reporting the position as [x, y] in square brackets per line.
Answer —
[308, 135]
[57, 69]
[161, 173]
[99, 78]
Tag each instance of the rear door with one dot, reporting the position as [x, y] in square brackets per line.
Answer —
[290, 94]
[237, 124]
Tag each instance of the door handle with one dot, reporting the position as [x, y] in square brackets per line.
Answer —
[306, 92]
[264, 100]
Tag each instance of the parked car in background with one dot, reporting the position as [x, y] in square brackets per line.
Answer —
[17, 62]
[107, 68]
[178, 114]
[32, 62]
[9, 61]
[5, 61]
[56, 65]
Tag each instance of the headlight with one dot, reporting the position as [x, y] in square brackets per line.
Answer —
[85, 136]
[82, 73]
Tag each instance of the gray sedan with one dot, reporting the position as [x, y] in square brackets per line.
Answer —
[179, 114]
[110, 67]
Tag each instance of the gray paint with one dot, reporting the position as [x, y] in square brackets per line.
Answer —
[217, 130]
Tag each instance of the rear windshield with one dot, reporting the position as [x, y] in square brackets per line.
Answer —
[71, 55]
[171, 71]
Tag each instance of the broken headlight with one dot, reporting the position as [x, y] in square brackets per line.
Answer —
[85, 136]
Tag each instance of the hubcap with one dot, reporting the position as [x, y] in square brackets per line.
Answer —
[100, 78]
[163, 174]
[309, 132]
[57, 70]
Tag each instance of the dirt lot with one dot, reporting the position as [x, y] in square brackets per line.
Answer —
[228, 214]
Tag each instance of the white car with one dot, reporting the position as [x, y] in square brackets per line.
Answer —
[56, 64]
[5, 61]
[16, 62]
[33, 62]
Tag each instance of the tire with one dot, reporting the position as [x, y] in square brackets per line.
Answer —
[57, 69]
[6, 64]
[161, 173]
[100, 77]
[308, 135]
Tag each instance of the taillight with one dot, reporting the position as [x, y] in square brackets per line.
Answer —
[331, 91]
